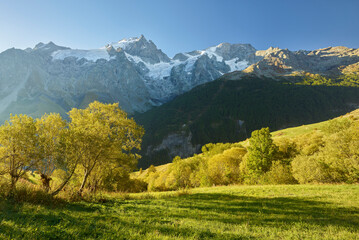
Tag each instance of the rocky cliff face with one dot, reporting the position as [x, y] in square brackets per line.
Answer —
[176, 144]
[282, 62]
[133, 72]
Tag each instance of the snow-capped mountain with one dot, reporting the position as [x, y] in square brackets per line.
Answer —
[165, 77]
[133, 72]
[138, 75]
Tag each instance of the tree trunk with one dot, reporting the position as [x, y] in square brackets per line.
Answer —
[14, 179]
[45, 182]
[84, 181]
[54, 193]
[87, 173]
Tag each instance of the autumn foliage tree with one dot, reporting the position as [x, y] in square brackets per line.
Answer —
[104, 135]
[50, 129]
[18, 147]
[99, 141]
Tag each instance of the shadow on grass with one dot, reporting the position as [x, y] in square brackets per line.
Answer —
[166, 217]
[229, 208]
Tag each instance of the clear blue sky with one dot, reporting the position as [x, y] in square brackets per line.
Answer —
[184, 25]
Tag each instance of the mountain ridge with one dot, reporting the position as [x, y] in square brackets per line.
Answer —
[133, 72]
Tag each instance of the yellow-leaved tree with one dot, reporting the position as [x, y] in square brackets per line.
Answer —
[18, 147]
[51, 129]
[104, 136]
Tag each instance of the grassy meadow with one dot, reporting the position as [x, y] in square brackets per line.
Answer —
[231, 212]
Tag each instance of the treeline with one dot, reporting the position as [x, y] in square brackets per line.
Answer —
[345, 80]
[94, 150]
[326, 155]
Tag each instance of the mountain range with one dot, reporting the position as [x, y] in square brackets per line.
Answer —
[133, 72]
[138, 75]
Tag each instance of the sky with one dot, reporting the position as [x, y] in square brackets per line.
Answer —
[180, 26]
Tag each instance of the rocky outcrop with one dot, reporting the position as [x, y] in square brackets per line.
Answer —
[282, 62]
[176, 144]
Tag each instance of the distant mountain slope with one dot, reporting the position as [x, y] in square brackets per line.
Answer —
[327, 61]
[133, 72]
[228, 111]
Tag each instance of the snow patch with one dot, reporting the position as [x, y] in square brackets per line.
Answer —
[211, 52]
[190, 61]
[90, 55]
[237, 65]
[157, 70]
[124, 43]
[163, 69]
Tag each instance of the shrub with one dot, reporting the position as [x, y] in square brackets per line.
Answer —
[223, 169]
[309, 169]
[26, 192]
[280, 174]
[310, 143]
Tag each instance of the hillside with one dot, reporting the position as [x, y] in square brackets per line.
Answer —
[228, 111]
[324, 152]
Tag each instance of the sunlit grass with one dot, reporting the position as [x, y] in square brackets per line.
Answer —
[233, 212]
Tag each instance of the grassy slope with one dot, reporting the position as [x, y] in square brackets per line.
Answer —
[211, 111]
[276, 135]
[296, 131]
[233, 212]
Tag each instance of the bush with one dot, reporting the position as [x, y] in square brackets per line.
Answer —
[223, 169]
[280, 174]
[310, 143]
[26, 192]
[137, 185]
[309, 169]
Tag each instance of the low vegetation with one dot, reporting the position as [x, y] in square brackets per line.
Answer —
[345, 80]
[328, 153]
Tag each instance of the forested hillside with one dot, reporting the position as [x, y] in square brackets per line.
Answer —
[228, 111]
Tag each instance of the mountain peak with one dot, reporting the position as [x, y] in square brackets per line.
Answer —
[47, 48]
[142, 37]
[127, 43]
[43, 45]
[39, 45]
[140, 47]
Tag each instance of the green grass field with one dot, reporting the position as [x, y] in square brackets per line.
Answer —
[233, 212]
